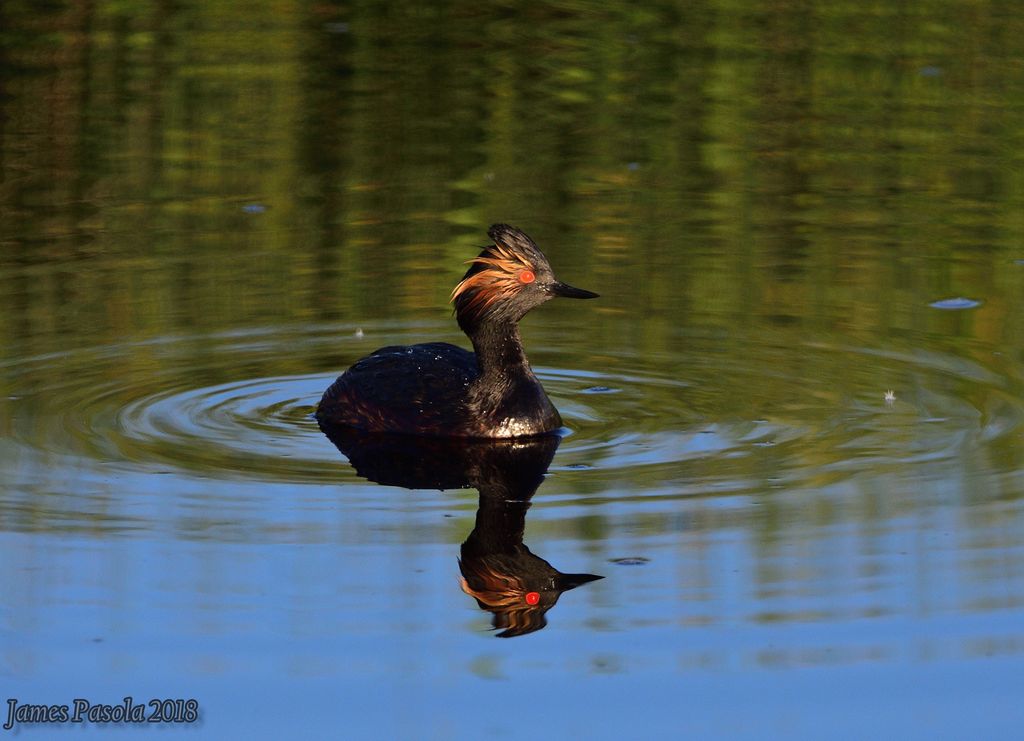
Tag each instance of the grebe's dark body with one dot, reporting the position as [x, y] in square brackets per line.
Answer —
[443, 390]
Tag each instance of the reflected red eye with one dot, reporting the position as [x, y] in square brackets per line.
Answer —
[532, 598]
[527, 276]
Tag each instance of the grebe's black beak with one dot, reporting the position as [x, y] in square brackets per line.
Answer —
[567, 291]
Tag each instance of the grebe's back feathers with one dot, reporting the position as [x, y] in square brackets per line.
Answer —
[408, 389]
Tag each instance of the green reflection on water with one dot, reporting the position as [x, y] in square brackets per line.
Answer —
[776, 193]
[833, 166]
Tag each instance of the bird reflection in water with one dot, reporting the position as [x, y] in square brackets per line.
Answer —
[497, 569]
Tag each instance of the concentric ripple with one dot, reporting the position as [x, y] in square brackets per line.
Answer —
[169, 406]
[239, 405]
[728, 424]
[259, 424]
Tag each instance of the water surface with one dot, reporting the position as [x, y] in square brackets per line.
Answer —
[795, 414]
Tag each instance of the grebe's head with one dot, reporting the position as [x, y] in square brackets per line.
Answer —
[517, 590]
[506, 280]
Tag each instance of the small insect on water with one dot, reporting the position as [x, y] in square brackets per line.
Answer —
[890, 397]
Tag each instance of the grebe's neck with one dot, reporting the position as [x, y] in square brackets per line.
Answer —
[507, 399]
[499, 351]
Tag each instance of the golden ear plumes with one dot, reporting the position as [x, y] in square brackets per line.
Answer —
[499, 278]
[496, 593]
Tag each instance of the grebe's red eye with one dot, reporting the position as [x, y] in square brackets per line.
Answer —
[532, 598]
[527, 276]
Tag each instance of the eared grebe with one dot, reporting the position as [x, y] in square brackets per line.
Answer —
[442, 390]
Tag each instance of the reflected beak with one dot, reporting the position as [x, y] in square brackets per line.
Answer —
[565, 582]
[564, 289]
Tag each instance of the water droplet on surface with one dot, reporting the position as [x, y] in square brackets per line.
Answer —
[630, 561]
[955, 304]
